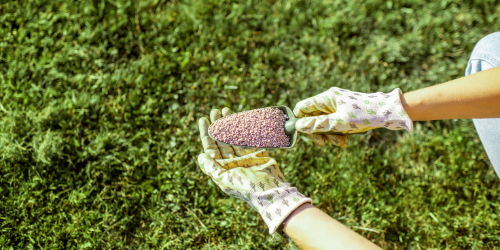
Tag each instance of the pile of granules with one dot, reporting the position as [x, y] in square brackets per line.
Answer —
[254, 128]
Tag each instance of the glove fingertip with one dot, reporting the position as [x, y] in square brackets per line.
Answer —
[346, 142]
[338, 140]
[215, 114]
[318, 139]
[297, 113]
[226, 111]
[203, 122]
[304, 125]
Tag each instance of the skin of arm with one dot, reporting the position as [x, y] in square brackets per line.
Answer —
[472, 96]
[310, 228]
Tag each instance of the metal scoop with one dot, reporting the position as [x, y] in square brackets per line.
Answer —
[290, 130]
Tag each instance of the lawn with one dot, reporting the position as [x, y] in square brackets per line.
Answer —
[100, 101]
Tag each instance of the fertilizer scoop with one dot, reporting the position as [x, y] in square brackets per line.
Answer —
[272, 127]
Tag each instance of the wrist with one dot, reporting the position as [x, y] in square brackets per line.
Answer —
[297, 211]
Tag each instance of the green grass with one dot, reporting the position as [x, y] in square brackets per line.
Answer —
[98, 135]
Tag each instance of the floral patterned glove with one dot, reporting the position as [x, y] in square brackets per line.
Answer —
[351, 112]
[250, 175]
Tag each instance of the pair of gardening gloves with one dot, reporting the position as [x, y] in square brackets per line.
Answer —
[250, 174]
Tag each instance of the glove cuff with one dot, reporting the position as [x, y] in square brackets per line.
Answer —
[394, 115]
[276, 204]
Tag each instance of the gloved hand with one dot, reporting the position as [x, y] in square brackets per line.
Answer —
[250, 175]
[350, 112]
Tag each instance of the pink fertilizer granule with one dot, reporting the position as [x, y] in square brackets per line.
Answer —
[254, 128]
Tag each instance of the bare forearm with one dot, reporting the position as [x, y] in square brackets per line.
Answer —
[311, 228]
[473, 96]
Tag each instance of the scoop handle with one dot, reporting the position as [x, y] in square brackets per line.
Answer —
[290, 128]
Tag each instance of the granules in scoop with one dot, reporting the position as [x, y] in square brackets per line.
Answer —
[254, 128]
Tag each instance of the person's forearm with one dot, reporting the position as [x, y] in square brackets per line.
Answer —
[473, 96]
[311, 228]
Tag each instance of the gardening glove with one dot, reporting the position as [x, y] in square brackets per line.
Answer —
[351, 112]
[250, 175]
